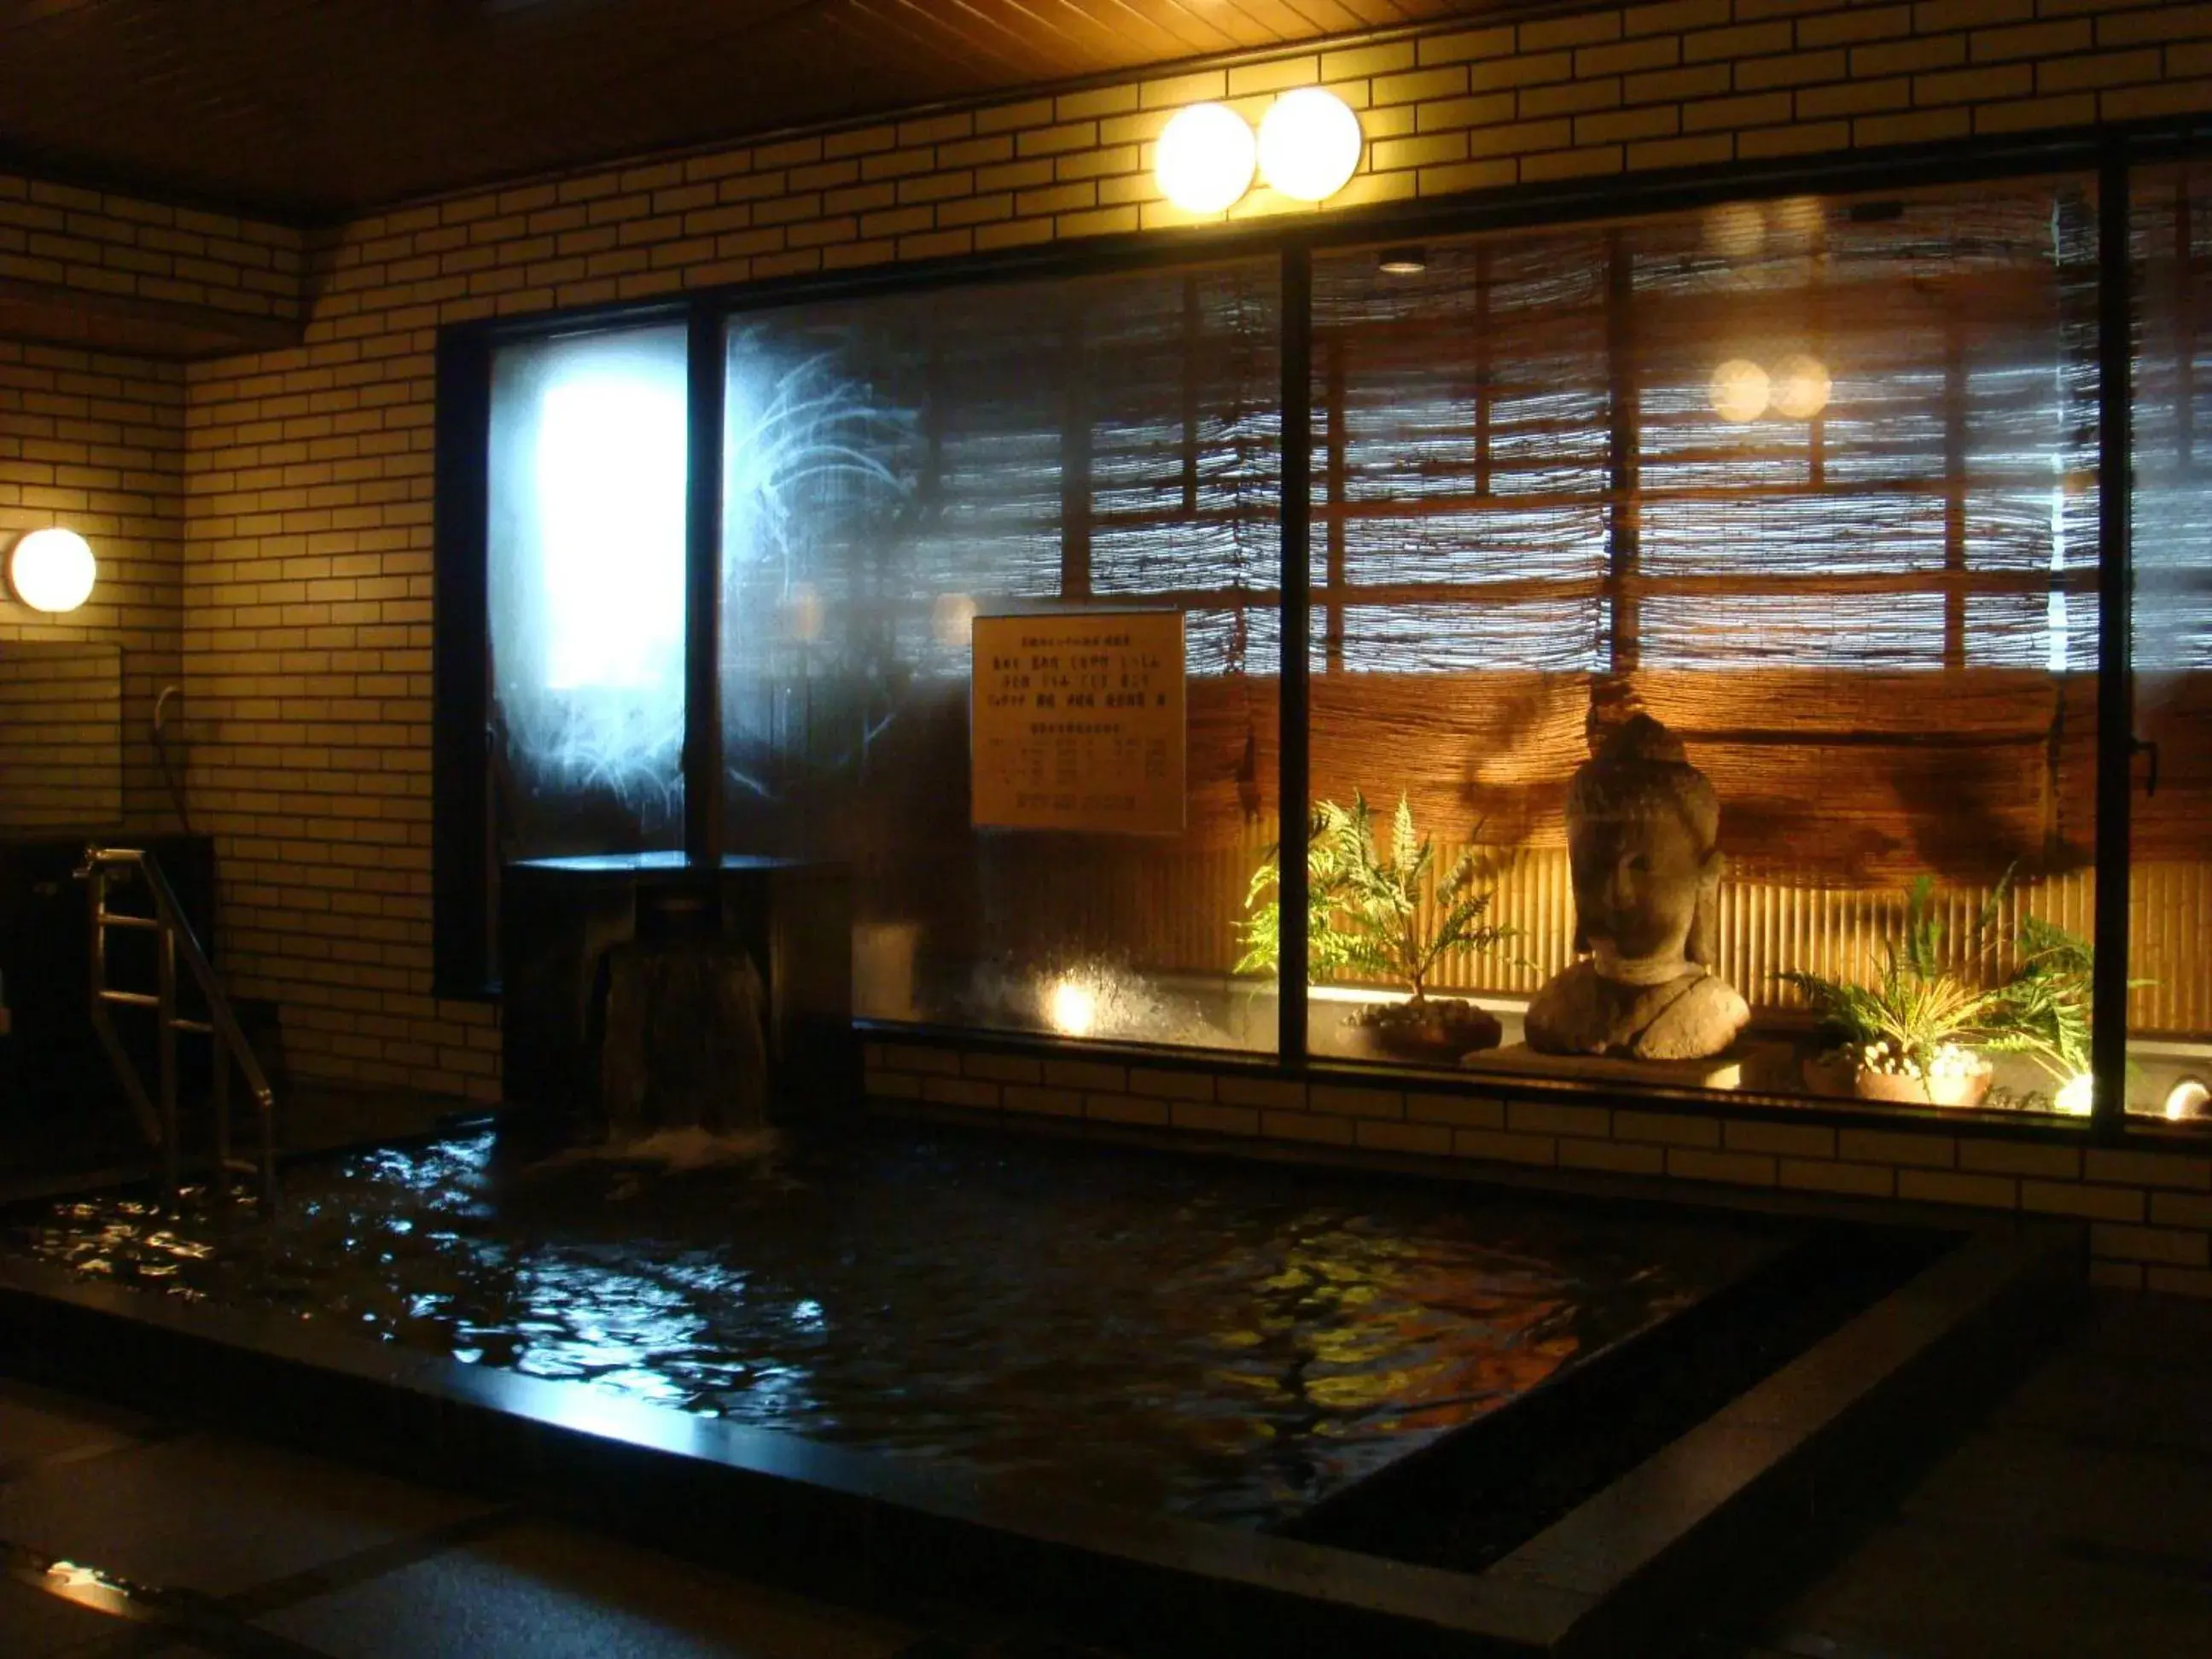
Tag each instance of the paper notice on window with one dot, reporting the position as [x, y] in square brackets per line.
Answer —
[1077, 722]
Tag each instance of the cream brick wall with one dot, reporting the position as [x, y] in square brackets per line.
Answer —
[122, 245]
[307, 500]
[96, 440]
[97, 443]
[2149, 1210]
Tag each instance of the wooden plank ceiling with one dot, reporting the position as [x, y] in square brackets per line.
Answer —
[316, 109]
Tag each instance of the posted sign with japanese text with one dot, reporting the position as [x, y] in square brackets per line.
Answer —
[1077, 722]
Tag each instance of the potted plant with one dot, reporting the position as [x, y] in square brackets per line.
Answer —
[1911, 1035]
[2043, 1011]
[1365, 917]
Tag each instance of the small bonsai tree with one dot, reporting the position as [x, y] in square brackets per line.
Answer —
[1918, 1013]
[1364, 911]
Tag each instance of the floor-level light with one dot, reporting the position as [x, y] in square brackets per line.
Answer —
[1071, 1009]
[2187, 1098]
[952, 619]
[1310, 144]
[51, 570]
[1205, 158]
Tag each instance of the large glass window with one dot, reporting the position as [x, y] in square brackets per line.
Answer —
[896, 467]
[1778, 522]
[585, 578]
[1703, 636]
[2170, 922]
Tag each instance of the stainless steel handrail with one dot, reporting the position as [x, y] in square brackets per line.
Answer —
[175, 942]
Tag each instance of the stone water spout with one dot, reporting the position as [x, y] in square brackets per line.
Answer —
[685, 1044]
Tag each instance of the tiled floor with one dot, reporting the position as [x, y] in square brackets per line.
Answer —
[2074, 1523]
[200, 1545]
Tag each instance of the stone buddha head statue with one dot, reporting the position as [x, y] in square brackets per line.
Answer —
[1643, 829]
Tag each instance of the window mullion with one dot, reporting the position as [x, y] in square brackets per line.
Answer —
[2115, 674]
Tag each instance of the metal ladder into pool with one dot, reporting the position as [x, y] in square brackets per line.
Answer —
[105, 868]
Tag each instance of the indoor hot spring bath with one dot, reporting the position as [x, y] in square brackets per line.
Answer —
[1222, 1340]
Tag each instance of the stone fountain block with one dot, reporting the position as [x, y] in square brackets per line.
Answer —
[563, 920]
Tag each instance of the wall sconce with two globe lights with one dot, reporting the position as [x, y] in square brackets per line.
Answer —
[1307, 147]
[51, 570]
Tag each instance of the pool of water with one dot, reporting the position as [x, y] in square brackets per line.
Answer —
[1225, 1340]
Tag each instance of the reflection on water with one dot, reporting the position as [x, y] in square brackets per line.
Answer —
[1224, 1340]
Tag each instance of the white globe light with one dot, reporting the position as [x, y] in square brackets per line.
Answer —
[1739, 390]
[1205, 159]
[52, 570]
[1801, 217]
[1736, 230]
[1310, 144]
[1801, 388]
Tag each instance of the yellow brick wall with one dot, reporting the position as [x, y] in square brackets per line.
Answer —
[308, 505]
[97, 443]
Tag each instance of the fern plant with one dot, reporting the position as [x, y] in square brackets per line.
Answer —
[2042, 1010]
[1917, 1006]
[1364, 911]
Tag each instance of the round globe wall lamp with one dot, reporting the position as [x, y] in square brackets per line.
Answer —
[51, 570]
[1310, 144]
[1740, 390]
[1802, 386]
[1205, 160]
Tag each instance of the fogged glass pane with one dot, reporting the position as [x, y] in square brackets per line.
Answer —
[898, 466]
[585, 544]
[1845, 406]
[1461, 440]
[2170, 922]
[1758, 546]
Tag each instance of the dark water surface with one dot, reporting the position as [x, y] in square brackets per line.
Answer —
[1220, 1340]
